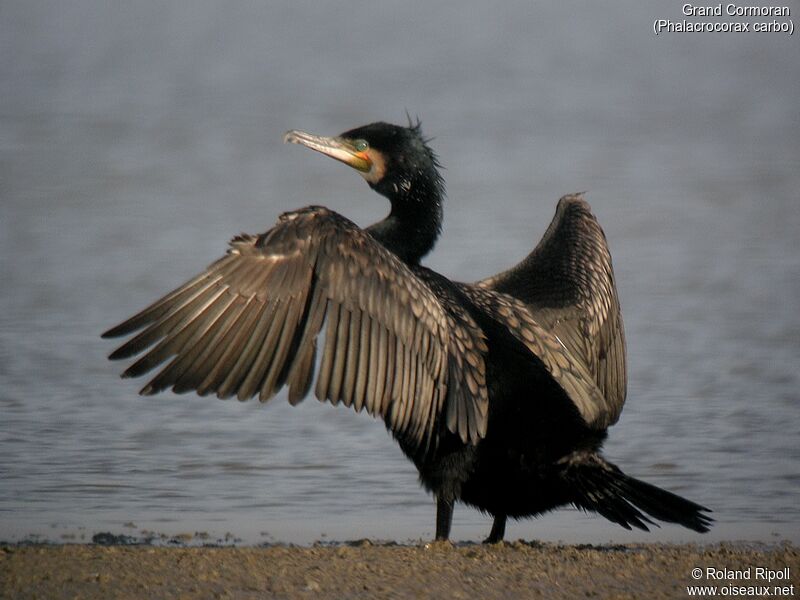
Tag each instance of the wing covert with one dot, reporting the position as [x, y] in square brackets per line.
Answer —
[571, 374]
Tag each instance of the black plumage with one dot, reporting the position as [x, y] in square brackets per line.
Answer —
[500, 391]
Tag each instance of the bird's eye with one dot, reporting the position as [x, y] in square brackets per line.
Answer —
[360, 145]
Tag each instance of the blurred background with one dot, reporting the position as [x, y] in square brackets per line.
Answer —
[137, 138]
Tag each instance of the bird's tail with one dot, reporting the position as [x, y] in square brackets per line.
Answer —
[600, 486]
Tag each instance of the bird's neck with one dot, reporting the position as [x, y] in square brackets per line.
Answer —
[415, 221]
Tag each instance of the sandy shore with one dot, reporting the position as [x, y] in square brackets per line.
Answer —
[364, 570]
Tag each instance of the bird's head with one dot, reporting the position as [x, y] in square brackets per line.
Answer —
[394, 160]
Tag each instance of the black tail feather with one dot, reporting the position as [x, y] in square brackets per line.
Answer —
[600, 486]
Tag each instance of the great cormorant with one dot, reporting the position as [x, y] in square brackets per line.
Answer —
[499, 391]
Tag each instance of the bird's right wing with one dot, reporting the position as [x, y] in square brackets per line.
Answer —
[567, 283]
[248, 325]
[567, 371]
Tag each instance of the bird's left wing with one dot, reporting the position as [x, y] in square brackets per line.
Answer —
[248, 325]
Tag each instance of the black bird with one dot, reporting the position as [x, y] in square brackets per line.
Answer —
[500, 391]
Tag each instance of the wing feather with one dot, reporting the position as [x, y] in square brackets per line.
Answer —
[244, 351]
[191, 376]
[339, 356]
[328, 352]
[351, 360]
[233, 347]
[567, 284]
[272, 381]
[198, 343]
[362, 371]
[394, 343]
[380, 341]
[252, 364]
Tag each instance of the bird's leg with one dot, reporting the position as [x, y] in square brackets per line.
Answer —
[498, 530]
[444, 518]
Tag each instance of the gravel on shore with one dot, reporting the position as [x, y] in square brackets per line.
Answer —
[364, 570]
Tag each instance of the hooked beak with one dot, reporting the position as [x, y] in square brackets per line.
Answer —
[335, 147]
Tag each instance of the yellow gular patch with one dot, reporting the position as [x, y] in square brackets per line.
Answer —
[378, 162]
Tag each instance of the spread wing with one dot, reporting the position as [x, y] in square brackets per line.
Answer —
[249, 323]
[571, 374]
[567, 283]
